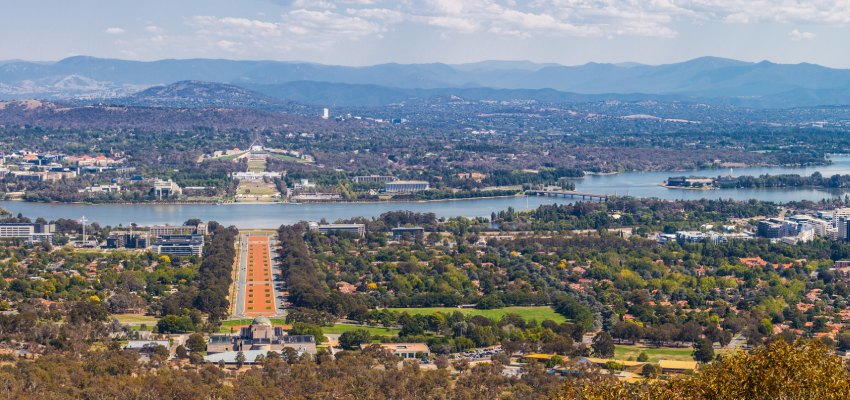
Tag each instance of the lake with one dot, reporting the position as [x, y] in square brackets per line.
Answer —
[639, 184]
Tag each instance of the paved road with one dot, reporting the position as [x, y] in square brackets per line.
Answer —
[239, 311]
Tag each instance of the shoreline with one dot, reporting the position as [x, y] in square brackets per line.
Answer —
[233, 203]
[664, 185]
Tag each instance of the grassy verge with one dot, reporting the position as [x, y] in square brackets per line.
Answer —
[538, 313]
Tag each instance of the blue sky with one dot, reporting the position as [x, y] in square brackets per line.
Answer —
[364, 32]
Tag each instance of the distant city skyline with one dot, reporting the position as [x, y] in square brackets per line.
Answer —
[367, 32]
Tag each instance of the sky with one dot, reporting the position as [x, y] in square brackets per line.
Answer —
[367, 32]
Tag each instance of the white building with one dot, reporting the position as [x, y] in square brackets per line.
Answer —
[255, 176]
[101, 189]
[358, 229]
[31, 232]
[406, 186]
[304, 184]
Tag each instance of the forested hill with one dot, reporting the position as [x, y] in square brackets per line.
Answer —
[59, 116]
[197, 94]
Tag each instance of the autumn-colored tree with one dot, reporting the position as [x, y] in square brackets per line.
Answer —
[778, 370]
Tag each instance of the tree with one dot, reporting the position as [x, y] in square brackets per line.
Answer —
[308, 329]
[650, 370]
[175, 324]
[442, 362]
[642, 357]
[778, 370]
[703, 350]
[197, 343]
[353, 339]
[87, 311]
[240, 359]
[501, 358]
[625, 330]
[460, 365]
[603, 345]
[181, 352]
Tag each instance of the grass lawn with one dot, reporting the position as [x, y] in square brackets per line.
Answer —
[230, 157]
[136, 319]
[341, 328]
[148, 328]
[287, 158]
[624, 352]
[256, 188]
[539, 313]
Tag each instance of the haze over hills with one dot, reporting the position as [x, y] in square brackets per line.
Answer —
[719, 80]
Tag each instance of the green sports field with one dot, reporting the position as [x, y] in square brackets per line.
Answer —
[624, 352]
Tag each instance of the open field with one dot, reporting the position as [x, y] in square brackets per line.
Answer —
[539, 313]
[287, 158]
[625, 352]
[256, 188]
[135, 319]
[229, 157]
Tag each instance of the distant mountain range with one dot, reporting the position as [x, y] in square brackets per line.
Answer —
[710, 79]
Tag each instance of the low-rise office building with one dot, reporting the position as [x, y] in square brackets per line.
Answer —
[775, 228]
[164, 189]
[29, 231]
[406, 186]
[127, 241]
[375, 178]
[403, 232]
[404, 350]
[179, 245]
[161, 230]
[358, 229]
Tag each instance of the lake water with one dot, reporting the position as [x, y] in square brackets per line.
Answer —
[646, 184]
[639, 184]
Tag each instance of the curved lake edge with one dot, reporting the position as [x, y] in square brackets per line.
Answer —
[272, 215]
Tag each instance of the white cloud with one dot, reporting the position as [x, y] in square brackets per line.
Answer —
[330, 26]
[227, 45]
[310, 28]
[322, 23]
[114, 30]
[797, 35]
[153, 29]
[459, 24]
